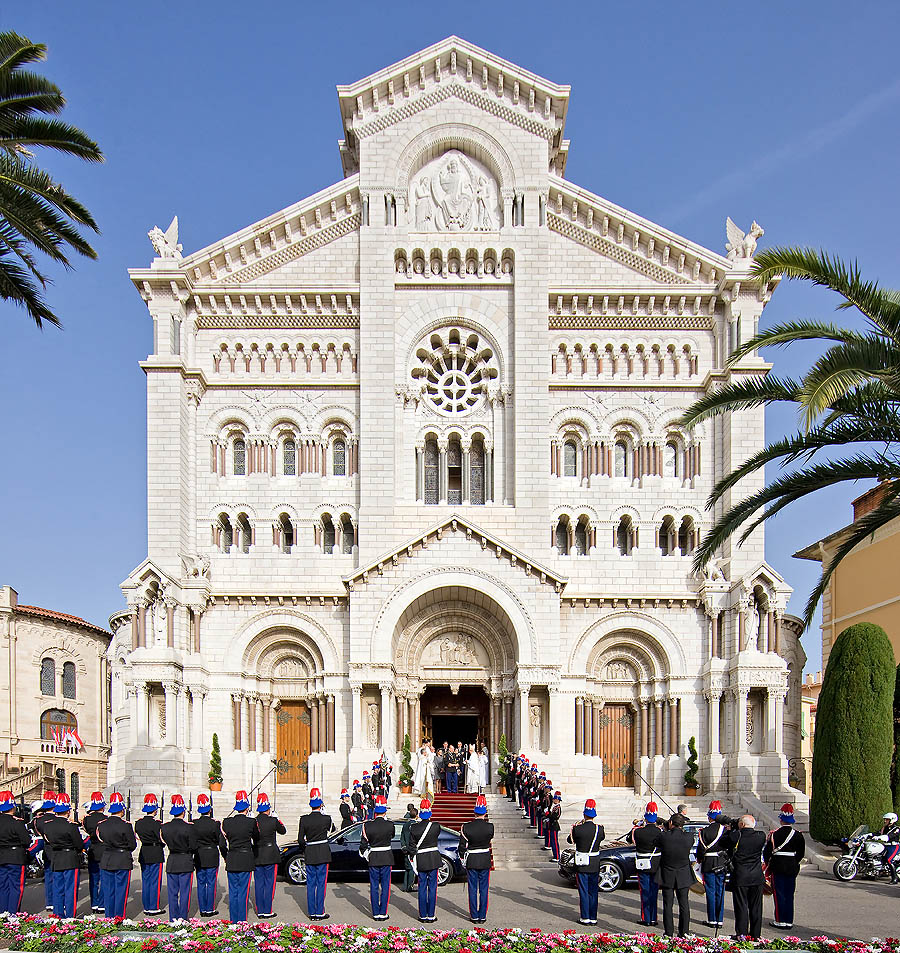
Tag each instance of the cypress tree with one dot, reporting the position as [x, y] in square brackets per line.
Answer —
[854, 734]
[895, 767]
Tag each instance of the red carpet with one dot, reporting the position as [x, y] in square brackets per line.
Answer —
[453, 810]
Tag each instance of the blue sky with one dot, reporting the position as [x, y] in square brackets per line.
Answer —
[225, 112]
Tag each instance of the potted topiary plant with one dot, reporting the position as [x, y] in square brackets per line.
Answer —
[406, 775]
[690, 776]
[215, 765]
[503, 762]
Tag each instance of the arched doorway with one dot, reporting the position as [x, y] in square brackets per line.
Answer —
[460, 717]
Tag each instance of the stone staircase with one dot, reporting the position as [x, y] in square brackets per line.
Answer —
[516, 845]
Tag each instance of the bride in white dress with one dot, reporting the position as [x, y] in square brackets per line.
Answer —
[473, 772]
[423, 781]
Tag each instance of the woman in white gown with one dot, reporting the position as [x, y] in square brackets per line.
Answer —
[423, 781]
[483, 770]
[473, 772]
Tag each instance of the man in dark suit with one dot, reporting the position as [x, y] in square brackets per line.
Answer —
[312, 837]
[646, 840]
[784, 850]
[587, 836]
[119, 843]
[240, 862]
[67, 844]
[14, 844]
[675, 875]
[211, 844]
[375, 846]
[151, 855]
[475, 852]
[181, 839]
[713, 859]
[267, 855]
[746, 846]
[95, 851]
[451, 771]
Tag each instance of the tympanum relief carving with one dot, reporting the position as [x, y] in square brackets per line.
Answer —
[455, 193]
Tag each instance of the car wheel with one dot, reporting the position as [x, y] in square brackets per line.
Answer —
[610, 876]
[296, 870]
[445, 872]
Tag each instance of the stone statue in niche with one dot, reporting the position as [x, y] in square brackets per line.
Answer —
[535, 718]
[455, 193]
[160, 622]
[372, 722]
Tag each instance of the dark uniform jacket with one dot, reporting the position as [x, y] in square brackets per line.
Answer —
[38, 823]
[647, 842]
[119, 843]
[554, 816]
[66, 843]
[267, 827]
[712, 847]
[587, 838]
[210, 842]
[181, 839]
[356, 799]
[746, 846]
[675, 859]
[423, 840]
[452, 763]
[312, 836]
[346, 815]
[891, 831]
[784, 850]
[14, 840]
[239, 830]
[375, 843]
[475, 844]
[147, 829]
[90, 822]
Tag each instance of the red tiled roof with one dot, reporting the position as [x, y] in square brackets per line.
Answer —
[60, 617]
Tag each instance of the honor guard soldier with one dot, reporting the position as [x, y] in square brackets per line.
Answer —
[890, 832]
[210, 845]
[475, 852]
[553, 824]
[425, 858]
[746, 846]
[675, 875]
[713, 860]
[346, 813]
[546, 807]
[785, 848]
[14, 844]
[356, 799]
[368, 794]
[587, 835]
[66, 849]
[313, 840]
[40, 818]
[95, 851]
[240, 861]
[375, 846]
[646, 840]
[409, 875]
[268, 827]
[119, 844]
[150, 856]
[181, 840]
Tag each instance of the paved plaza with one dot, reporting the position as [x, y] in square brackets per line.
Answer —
[540, 899]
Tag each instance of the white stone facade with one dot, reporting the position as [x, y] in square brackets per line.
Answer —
[421, 429]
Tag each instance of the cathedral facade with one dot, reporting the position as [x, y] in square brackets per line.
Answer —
[415, 466]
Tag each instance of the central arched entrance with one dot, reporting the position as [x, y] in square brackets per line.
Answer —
[457, 718]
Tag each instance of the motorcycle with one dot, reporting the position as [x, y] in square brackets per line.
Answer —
[863, 857]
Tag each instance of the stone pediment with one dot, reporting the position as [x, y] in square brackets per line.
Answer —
[480, 538]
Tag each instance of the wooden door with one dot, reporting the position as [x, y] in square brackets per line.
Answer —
[293, 742]
[617, 745]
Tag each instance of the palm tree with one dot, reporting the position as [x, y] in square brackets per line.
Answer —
[849, 403]
[36, 213]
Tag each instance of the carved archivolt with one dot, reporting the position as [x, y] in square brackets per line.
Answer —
[632, 633]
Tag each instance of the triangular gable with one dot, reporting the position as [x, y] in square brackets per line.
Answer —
[454, 524]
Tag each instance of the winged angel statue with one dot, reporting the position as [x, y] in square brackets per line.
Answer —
[165, 243]
[740, 245]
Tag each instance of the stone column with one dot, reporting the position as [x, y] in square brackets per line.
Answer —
[579, 725]
[251, 723]
[323, 724]
[170, 624]
[466, 475]
[142, 693]
[399, 707]
[712, 699]
[236, 721]
[645, 730]
[523, 717]
[170, 690]
[740, 720]
[673, 726]
[313, 726]
[420, 472]
[595, 729]
[142, 625]
[779, 721]
[267, 725]
[135, 629]
[488, 473]
[198, 615]
[356, 716]
[658, 728]
[417, 721]
[495, 724]
[771, 720]
[184, 739]
[508, 720]
[443, 479]
[385, 737]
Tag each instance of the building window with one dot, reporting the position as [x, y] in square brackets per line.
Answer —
[48, 676]
[581, 538]
[74, 787]
[432, 469]
[68, 680]
[244, 533]
[686, 536]
[672, 459]
[454, 473]
[667, 536]
[226, 533]
[289, 458]
[287, 532]
[562, 537]
[476, 473]
[56, 720]
[570, 458]
[625, 536]
[327, 534]
[622, 461]
[239, 453]
[339, 458]
[348, 534]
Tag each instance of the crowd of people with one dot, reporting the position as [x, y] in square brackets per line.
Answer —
[451, 769]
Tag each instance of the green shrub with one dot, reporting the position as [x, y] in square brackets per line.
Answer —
[895, 767]
[215, 762]
[406, 773]
[690, 776]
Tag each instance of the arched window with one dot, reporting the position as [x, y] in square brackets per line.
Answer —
[287, 532]
[226, 533]
[570, 458]
[327, 534]
[667, 536]
[581, 538]
[244, 533]
[672, 459]
[74, 787]
[348, 534]
[562, 537]
[68, 680]
[686, 536]
[622, 460]
[454, 472]
[48, 676]
[432, 467]
[55, 720]
[239, 454]
[625, 536]
[476, 473]
[289, 458]
[339, 457]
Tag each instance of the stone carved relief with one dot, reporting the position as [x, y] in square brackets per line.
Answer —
[290, 668]
[535, 716]
[619, 672]
[455, 651]
[749, 724]
[455, 193]
[372, 723]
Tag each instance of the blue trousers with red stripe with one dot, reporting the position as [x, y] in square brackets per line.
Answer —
[380, 889]
[48, 883]
[479, 882]
[151, 887]
[65, 892]
[714, 885]
[316, 885]
[115, 885]
[783, 887]
[12, 886]
[206, 889]
[264, 887]
[649, 889]
[179, 886]
[94, 884]
[554, 844]
[238, 895]
[427, 894]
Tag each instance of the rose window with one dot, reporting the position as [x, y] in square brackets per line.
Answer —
[453, 368]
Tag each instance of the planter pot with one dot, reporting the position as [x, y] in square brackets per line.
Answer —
[215, 785]
[690, 790]
[501, 790]
[406, 789]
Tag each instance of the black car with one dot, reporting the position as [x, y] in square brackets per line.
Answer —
[616, 861]
[347, 861]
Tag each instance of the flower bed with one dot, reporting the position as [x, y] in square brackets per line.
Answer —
[200, 936]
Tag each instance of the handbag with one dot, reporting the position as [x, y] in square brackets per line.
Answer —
[583, 858]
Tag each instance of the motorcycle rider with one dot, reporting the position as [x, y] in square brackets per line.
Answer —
[890, 834]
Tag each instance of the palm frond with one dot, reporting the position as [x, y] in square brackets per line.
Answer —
[17, 286]
[51, 134]
[791, 331]
[17, 51]
[741, 395]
